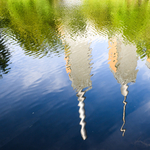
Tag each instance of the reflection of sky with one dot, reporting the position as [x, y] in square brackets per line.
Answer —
[27, 73]
[99, 54]
[39, 107]
[32, 70]
[27, 86]
[144, 69]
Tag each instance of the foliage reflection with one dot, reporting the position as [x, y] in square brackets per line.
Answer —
[35, 24]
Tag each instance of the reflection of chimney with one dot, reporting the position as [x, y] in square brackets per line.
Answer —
[124, 92]
[125, 59]
[123, 62]
[78, 66]
[112, 54]
[81, 99]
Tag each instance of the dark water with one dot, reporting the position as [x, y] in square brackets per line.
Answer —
[74, 75]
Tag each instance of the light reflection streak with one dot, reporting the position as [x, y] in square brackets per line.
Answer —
[81, 104]
[123, 118]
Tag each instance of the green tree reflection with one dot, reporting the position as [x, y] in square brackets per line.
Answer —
[129, 18]
[4, 57]
[34, 24]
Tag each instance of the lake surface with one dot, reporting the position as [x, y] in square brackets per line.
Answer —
[74, 75]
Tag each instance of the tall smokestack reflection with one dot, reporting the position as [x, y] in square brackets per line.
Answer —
[123, 63]
[124, 92]
[78, 58]
[81, 104]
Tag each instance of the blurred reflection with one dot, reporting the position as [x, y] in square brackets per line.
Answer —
[4, 57]
[33, 24]
[148, 63]
[124, 92]
[131, 18]
[123, 62]
[81, 104]
[79, 68]
[71, 2]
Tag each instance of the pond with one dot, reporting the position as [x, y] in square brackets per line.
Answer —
[74, 75]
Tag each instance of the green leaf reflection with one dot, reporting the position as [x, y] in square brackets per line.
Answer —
[36, 24]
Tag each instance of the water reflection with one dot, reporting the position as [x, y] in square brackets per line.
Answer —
[123, 62]
[4, 57]
[71, 2]
[79, 68]
[81, 104]
[148, 63]
[33, 24]
[124, 92]
[37, 26]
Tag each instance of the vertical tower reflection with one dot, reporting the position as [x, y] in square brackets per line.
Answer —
[81, 104]
[124, 92]
[78, 66]
[123, 62]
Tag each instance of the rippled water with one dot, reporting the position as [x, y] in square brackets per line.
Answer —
[74, 75]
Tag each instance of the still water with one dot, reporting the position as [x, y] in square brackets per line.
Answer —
[74, 75]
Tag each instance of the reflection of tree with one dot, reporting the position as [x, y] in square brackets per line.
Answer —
[129, 18]
[72, 18]
[4, 57]
[33, 24]
[143, 49]
[77, 24]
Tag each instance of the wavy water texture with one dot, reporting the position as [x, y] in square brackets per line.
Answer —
[35, 24]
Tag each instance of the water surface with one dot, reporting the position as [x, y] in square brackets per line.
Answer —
[74, 75]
